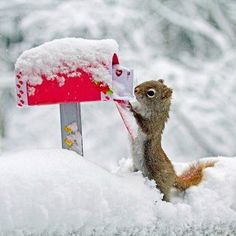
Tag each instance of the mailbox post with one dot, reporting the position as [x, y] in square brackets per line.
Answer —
[71, 127]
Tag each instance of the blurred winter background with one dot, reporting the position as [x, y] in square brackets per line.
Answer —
[190, 44]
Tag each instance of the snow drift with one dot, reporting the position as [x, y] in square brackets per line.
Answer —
[56, 192]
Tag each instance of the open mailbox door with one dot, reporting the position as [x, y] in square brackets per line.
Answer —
[69, 71]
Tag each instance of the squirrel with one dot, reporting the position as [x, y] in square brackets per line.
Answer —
[151, 113]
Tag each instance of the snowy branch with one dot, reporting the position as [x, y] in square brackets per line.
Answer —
[199, 138]
[197, 25]
[221, 20]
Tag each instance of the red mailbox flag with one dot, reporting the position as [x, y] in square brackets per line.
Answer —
[69, 71]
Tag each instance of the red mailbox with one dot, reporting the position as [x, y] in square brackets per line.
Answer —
[69, 71]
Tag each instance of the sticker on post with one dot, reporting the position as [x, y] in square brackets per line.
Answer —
[73, 140]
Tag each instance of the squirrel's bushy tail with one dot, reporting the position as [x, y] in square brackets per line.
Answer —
[192, 176]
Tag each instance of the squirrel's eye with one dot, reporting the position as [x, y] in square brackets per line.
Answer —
[151, 93]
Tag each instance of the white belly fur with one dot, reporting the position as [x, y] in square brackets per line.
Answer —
[138, 153]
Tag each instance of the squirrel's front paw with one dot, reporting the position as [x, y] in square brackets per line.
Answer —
[134, 107]
[130, 107]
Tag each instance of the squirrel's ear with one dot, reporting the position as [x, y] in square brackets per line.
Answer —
[161, 81]
[166, 93]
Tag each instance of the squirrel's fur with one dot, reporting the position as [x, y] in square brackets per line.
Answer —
[151, 114]
[192, 175]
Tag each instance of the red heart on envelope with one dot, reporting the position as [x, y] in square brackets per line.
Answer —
[118, 72]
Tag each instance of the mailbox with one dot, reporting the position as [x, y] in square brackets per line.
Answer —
[70, 71]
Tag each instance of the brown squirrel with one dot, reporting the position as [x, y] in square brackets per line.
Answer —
[151, 114]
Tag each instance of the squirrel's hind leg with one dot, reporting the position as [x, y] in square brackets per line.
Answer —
[166, 191]
[166, 196]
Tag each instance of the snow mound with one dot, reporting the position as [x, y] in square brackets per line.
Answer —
[65, 56]
[56, 192]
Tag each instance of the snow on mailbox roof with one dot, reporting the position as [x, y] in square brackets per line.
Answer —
[66, 55]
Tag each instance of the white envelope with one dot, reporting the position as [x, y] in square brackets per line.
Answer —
[122, 82]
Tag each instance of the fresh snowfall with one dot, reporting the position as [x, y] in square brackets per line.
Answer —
[57, 192]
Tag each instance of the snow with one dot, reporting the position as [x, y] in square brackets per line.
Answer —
[57, 192]
[193, 53]
[65, 56]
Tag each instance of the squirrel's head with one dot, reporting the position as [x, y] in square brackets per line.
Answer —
[154, 94]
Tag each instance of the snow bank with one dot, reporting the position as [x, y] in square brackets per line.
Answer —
[65, 56]
[56, 192]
